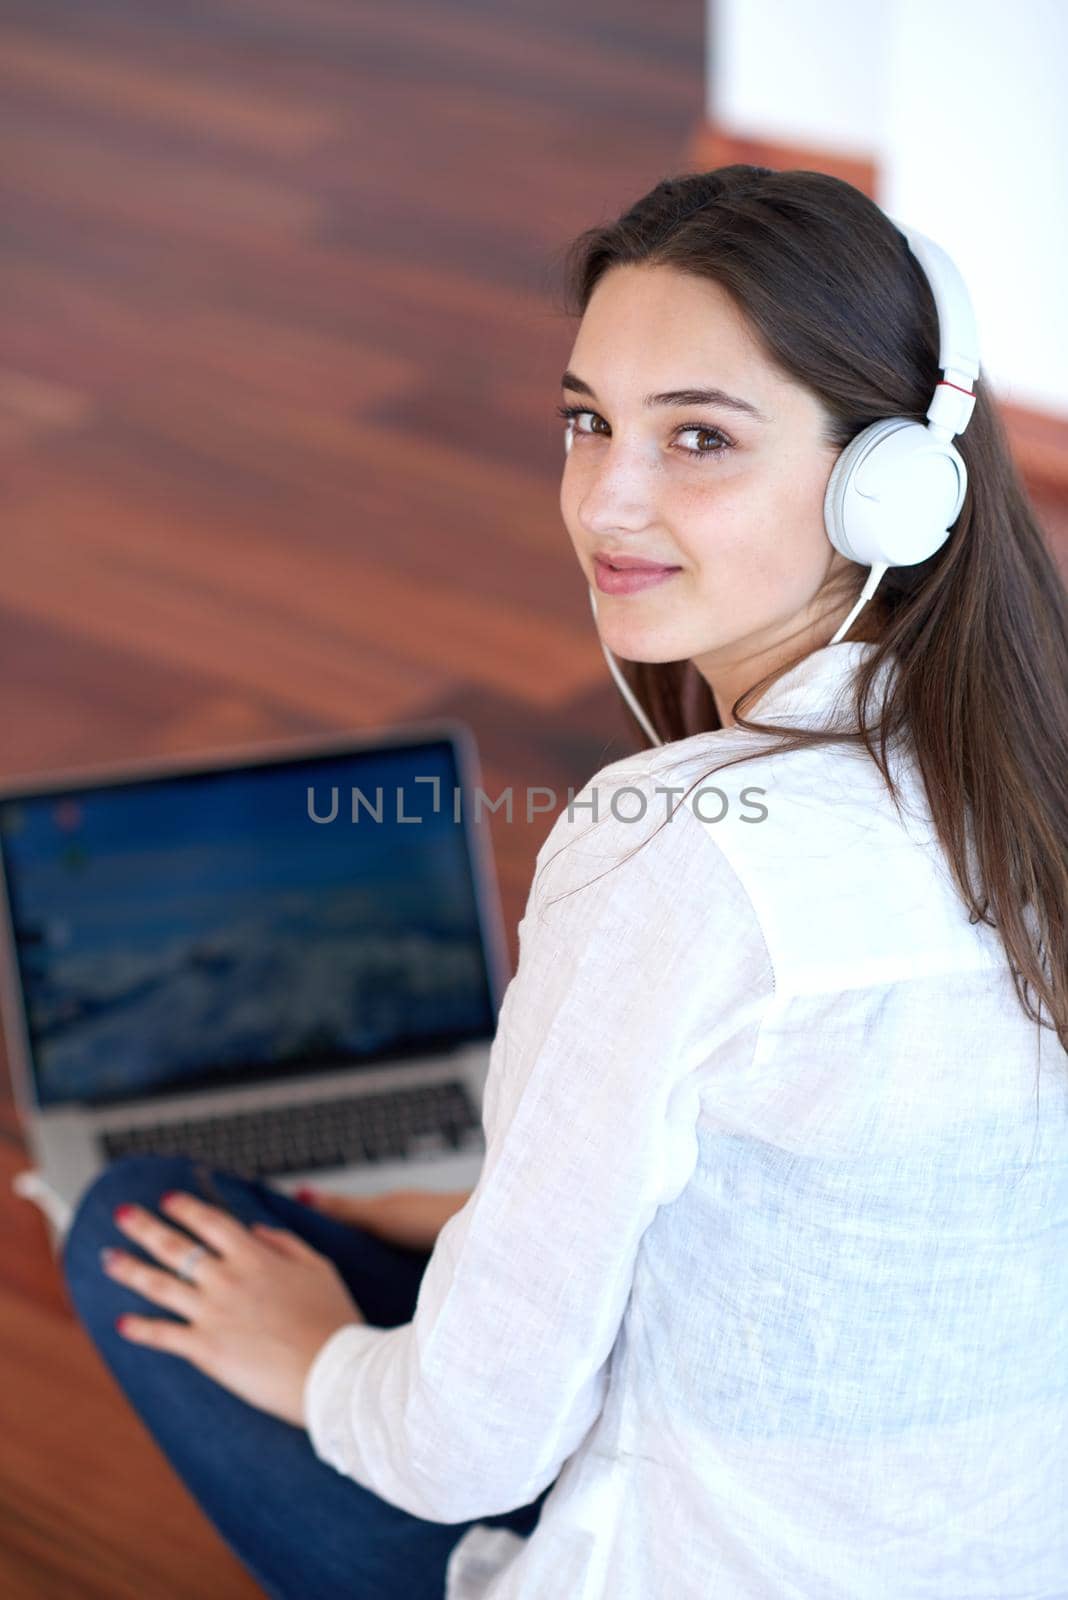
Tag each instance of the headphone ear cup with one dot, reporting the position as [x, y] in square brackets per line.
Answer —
[834, 498]
[894, 494]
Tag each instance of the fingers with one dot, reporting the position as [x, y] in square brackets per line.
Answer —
[157, 1239]
[283, 1240]
[224, 1233]
[375, 1213]
[174, 1337]
[161, 1288]
[412, 1218]
[345, 1206]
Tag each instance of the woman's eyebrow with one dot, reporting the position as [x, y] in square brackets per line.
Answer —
[676, 397]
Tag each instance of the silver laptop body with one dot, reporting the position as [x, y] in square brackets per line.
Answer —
[205, 955]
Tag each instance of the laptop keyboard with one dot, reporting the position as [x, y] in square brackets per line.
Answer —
[425, 1120]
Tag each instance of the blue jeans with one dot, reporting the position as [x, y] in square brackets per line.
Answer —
[303, 1531]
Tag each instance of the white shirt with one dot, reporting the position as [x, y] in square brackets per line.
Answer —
[767, 1259]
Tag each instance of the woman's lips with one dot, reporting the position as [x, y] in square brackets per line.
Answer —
[611, 580]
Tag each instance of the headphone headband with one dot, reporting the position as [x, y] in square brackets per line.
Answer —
[958, 336]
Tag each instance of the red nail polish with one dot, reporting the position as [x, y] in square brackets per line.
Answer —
[122, 1212]
[172, 1194]
[119, 1321]
[305, 1195]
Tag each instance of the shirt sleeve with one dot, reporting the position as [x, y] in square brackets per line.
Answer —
[639, 957]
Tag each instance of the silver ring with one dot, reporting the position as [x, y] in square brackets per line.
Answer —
[191, 1257]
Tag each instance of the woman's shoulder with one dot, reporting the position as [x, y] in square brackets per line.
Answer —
[629, 867]
[633, 810]
[686, 810]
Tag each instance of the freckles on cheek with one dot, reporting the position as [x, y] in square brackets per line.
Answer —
[736, 529]
[714, 523]
[754, 549]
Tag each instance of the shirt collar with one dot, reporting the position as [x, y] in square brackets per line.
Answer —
[819, 683]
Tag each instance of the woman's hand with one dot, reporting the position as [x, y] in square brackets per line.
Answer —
[262, 1305]
[412, 1218]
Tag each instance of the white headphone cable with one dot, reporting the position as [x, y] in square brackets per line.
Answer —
[871, 583]
[621, 682]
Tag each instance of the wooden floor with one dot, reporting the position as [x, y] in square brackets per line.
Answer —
[278, 369]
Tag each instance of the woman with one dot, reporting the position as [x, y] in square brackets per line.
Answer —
[761, 1291]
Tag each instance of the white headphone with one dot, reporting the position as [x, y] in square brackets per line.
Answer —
[896, 489]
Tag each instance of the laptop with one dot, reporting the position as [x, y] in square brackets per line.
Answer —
[286, 962]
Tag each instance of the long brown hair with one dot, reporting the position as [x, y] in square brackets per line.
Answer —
[978, 633]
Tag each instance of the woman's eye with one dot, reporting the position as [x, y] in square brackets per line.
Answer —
[572, 414]
[723, 444]
[720, 447]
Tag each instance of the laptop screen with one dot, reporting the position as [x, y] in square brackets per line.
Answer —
[239, 925]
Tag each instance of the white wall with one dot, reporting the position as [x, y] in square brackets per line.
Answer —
[962, 105]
